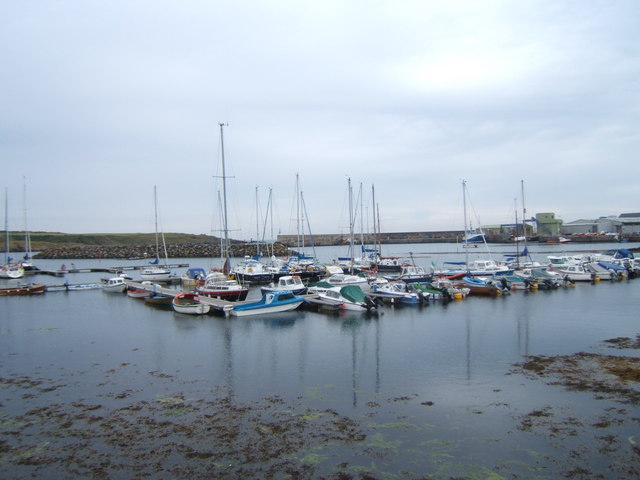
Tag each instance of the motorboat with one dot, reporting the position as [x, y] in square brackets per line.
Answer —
[115, 284]
[28, 289]
[292, 283]
[271, 302]
[574, 272]
[411, 274]
[146, 289]
[218, 285]
[343, 279]
[488, 267]
[253, 271]
[189, 303]
[398, 293]
[193, 276]
[545, 279]
[350, 297]
[389, 264]
[479, 286]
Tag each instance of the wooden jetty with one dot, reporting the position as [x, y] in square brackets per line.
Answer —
[215, 303]
[225, 306]
[115, 270]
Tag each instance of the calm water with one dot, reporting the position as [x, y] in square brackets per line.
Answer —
[433, 387]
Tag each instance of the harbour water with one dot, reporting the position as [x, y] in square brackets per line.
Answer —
[98, 385]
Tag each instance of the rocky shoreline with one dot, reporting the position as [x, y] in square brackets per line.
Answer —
[182, 250]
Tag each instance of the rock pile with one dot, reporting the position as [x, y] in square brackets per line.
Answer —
[182, 250]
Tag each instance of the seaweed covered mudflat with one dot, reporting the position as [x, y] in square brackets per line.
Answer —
[612, 379]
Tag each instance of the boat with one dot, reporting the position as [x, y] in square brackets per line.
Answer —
[545, 279]
[389, 264]
[350, 297]
[271, 302]
[473, 237]
[72, 287]
[156, 272]
[192, 277]
[476, 267]
[189, 303]
[115, 284]
[145, 290]
[159, 300]
[219, 285]
[479, 286]
[12, 270]
[398, 293]
[27, 261]
[343, 279]
[575, 272]
[599, 271]
[9, 269]
[411, 274]
[442, 288]
[516, 282]
[251, 270]
[292, 283]
[488, 267]
[27, 289]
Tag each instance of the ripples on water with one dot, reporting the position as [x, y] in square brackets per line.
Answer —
[432, 389]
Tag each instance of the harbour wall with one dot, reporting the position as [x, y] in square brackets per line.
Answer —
[452, 236]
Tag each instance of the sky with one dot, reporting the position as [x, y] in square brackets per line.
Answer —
[101, 101]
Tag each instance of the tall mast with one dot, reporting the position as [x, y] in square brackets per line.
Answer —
[515, 205]
[155, 209]
[361, 197]
[257, 226]
[351, 224]
[27, 236]
[524, 217]
[225, 250]
[375, 229]
[298, 219]
[6, 225]
[464, 207]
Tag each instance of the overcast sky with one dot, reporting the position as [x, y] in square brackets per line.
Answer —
[102, 100]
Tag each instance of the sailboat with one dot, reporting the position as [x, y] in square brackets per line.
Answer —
[299, 263]
[217, 284]
[9, 269]
[156, 272]
[26, 262]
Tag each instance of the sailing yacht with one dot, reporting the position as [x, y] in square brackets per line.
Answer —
[9, 269]
[218, 284]
[156, 272]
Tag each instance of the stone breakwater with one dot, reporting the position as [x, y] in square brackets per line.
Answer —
[183, 250]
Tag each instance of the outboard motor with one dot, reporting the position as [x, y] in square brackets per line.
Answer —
[422, 298]
[446, 296]
[369, 303]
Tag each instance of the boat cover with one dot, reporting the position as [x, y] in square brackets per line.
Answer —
[353, 293]
[612, 266]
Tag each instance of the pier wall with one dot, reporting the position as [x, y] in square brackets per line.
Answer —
[451, 236]
[393, 237]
